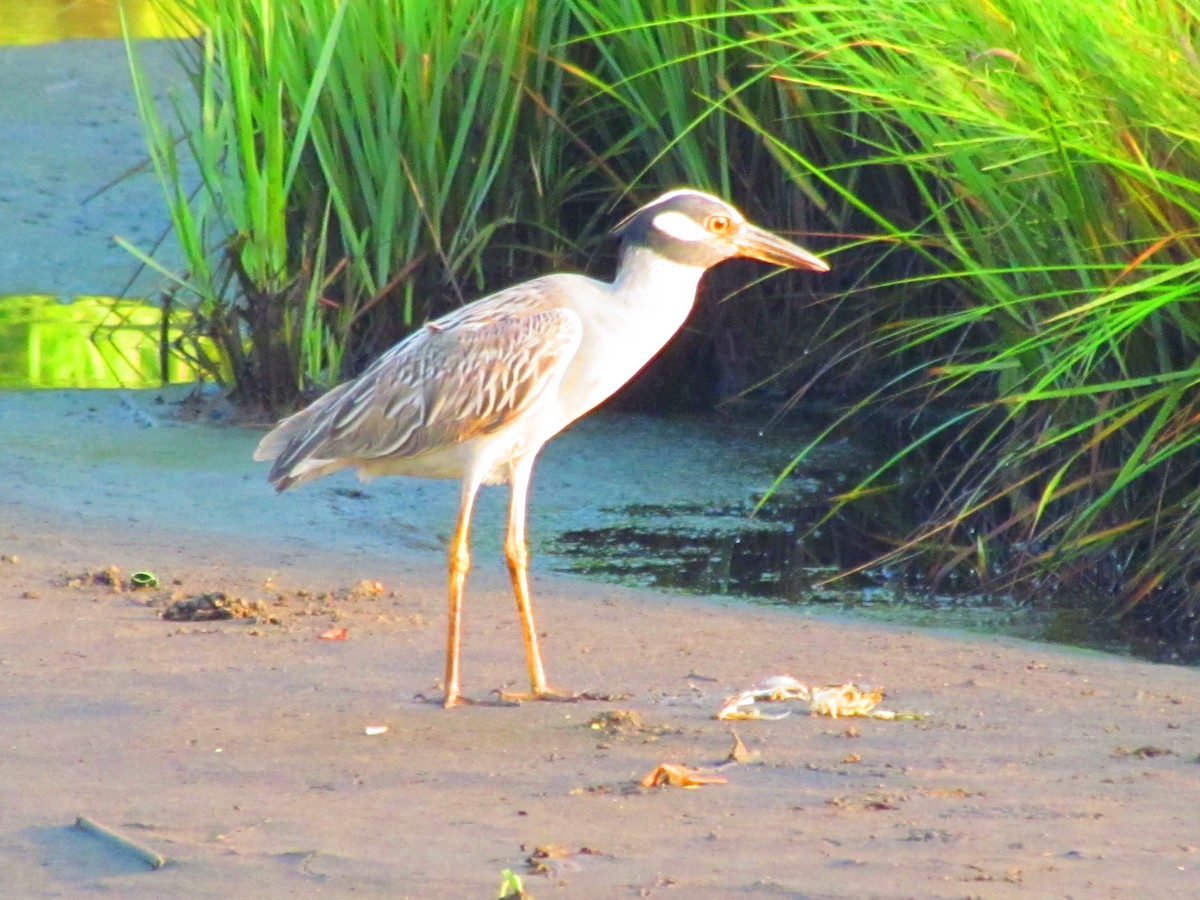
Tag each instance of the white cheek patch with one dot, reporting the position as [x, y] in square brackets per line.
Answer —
[680, 227]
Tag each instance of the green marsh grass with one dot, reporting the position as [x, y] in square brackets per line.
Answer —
[357, 166]
[1042, 234]
[1008, 192]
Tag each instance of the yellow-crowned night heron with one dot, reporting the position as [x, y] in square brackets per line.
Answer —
[475, 394]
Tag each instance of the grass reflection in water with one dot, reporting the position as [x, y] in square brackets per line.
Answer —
[91, 342]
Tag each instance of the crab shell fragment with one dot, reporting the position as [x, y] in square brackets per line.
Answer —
[742, 706]
[844, 700]
[835, 701]
[784, 687]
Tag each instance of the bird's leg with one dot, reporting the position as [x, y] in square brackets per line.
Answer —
[517, 554]
[460, 563]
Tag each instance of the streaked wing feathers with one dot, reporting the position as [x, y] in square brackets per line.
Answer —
[469, 373]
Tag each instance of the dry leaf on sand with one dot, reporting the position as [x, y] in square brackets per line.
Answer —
[680, 776]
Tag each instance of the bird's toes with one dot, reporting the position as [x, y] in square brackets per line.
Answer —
[557, 696]
[449, 701]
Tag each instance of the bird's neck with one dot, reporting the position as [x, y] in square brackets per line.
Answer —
[649, 278]
[624, 325]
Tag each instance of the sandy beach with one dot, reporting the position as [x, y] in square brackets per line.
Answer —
[248, 752]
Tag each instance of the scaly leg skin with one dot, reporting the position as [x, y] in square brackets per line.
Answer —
[460, 564]
[517, 555]
[518, 563]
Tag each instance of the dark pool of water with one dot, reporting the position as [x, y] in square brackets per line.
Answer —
[777, 559]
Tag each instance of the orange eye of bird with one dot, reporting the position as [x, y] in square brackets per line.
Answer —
[719, 224]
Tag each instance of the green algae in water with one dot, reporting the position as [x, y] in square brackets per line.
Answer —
[91, 342]
[777, 560]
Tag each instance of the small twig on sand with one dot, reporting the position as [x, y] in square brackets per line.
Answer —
[145, 854]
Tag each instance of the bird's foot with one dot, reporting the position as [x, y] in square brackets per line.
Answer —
[516, 698]
[546, 693]
[449, 701]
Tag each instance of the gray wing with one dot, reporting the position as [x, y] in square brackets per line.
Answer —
[469, 373]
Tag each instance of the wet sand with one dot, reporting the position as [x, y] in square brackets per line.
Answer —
[238, 749]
